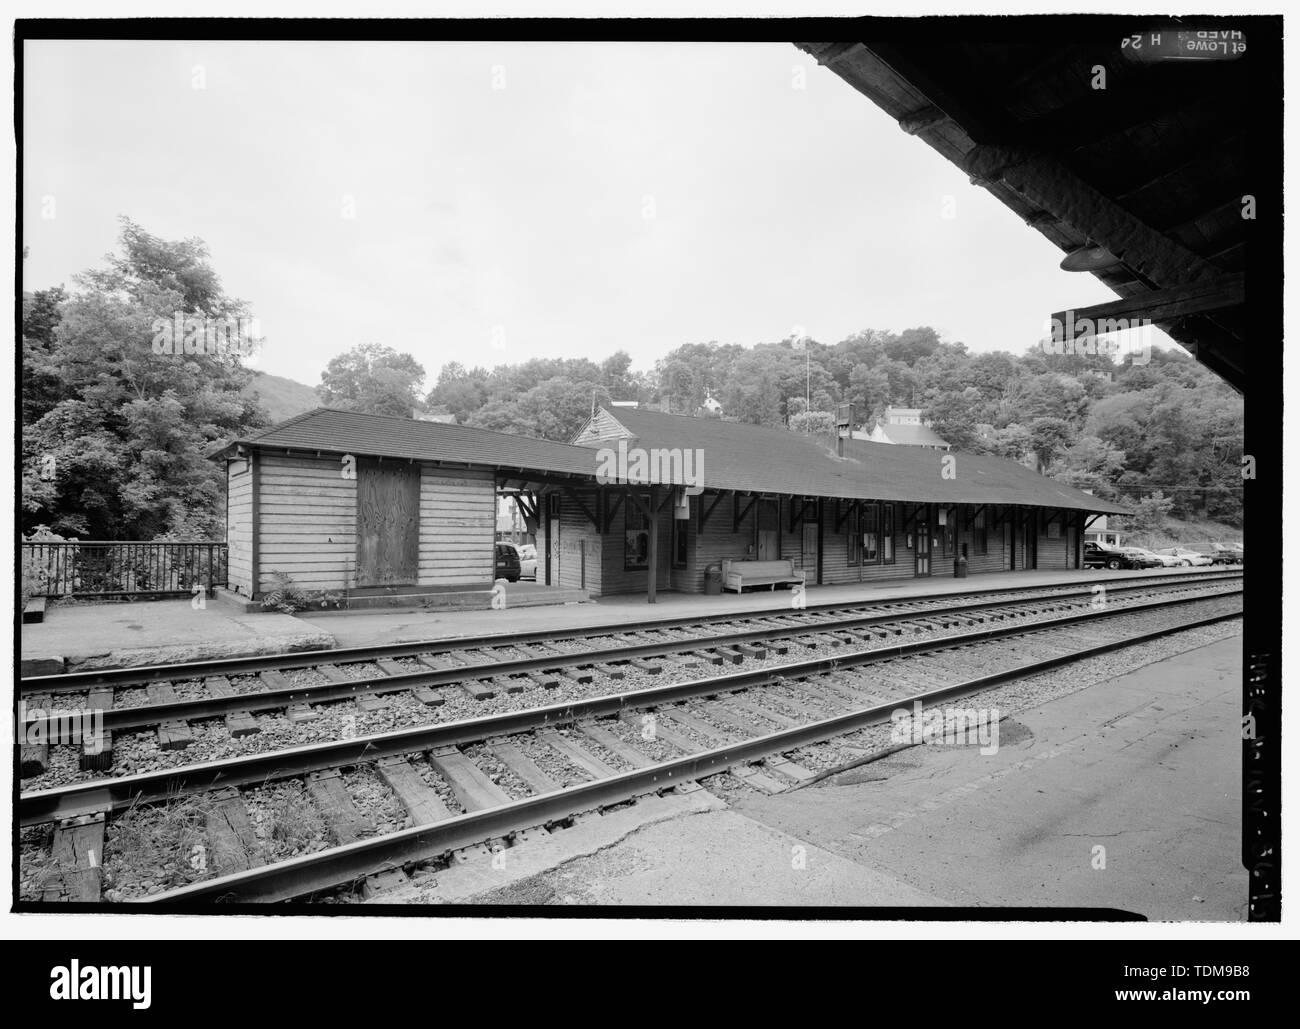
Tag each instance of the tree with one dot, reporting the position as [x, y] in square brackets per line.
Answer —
[372, 378]
[954, 417]
[115, 432]
[1150, 514]
[460, 392]
[1048, 437]
[814, 423]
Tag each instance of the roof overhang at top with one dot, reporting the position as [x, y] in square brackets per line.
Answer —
[1155, 167]
[736, 457]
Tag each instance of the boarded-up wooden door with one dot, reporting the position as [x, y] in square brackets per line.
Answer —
[388, 524]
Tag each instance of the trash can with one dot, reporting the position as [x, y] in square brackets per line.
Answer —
[713, 579]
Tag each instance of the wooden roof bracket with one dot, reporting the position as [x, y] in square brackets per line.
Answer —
[840, 518]
[705, 512]
[798, 515]
[613, 502]
[591, 517]
[737, 514]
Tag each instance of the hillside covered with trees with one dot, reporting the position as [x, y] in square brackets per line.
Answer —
[1165, 432]
[115, 433]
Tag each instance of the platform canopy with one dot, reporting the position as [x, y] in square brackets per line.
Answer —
[1149, 175]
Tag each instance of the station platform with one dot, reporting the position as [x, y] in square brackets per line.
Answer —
[85, 636]
[364, 628]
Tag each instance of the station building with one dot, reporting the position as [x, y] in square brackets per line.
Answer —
[641, 501]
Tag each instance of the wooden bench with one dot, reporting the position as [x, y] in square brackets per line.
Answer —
[736, 575]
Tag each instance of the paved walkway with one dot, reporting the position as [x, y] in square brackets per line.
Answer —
[147, 632]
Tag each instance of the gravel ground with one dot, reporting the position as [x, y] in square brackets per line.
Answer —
[159, 847]
[35, 861]
[439, 785]
[285, 820]
[498, 771]
[594, 748]
[374, 799]
[653, 748]
[551, 761]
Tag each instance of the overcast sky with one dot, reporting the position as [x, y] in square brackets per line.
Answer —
[520, 200]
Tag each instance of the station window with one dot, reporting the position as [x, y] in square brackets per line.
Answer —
[855, 539]
[636, 534]
[887, 534]
[980, 533]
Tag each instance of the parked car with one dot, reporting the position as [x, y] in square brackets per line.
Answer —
[508, 564]
[1098, 555]
[1187, 557]
[528, 561]
[1143, 558]
[1231, 553]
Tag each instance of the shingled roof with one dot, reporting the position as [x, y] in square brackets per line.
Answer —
[757, 459]
[737, 456]
[373, 435]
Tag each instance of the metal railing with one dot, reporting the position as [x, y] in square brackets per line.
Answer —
[117, 568]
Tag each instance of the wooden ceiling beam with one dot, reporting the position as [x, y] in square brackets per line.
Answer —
[1159, 305]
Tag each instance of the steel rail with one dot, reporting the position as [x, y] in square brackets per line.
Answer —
[50, 721]
[115, 793]
[143, 674]
[335, 866]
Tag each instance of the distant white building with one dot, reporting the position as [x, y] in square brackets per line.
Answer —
[903, 426]
[710, 404]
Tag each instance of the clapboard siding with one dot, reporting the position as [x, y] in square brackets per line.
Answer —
[716, 542]
[576, 554]
[239, 526]
[614, 577]
[835, 550]
[457, 527]
[307, 522]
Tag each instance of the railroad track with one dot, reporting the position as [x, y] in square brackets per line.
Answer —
[748, 721]
[481, 668]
